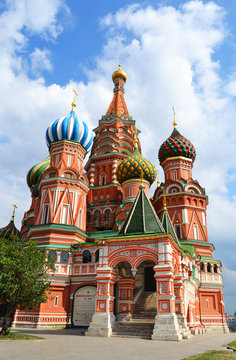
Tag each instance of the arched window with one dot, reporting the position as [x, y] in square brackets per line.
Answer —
[215, 269]
[86, 256]
[64, 257]
[208, 267]
[68, 175]
[97, 255]
[107, 216]
[202, 266]
[46, 214]
[53, 254]
[97, 218]
[88, 217]
[178, 231]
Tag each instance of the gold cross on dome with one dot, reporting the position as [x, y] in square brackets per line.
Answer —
[174, 122]
[135, 137]
[73, 103]
[14, 210]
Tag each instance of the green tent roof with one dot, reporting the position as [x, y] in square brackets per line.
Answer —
[142, 217]
[168, 226]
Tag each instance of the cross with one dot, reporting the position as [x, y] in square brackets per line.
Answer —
[73, 103]
[13, 214]
[174, 122]
[135, 137]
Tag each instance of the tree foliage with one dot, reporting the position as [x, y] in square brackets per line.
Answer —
[24, 281]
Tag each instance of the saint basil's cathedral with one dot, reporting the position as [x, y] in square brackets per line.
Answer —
[126, 264]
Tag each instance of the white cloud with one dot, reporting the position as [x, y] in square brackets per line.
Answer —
[168, 56]
[40, 61]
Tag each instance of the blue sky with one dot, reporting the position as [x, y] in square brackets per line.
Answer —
[175, 53]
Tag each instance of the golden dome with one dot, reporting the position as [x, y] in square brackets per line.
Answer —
[119, 73]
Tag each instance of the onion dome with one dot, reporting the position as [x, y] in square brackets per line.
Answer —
[10, 230]
[176, 145]
[70, 128]
[119, 74]
[35, 173]
[136, 167]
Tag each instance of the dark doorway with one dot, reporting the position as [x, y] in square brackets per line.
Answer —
[149, 280]
[115, 299]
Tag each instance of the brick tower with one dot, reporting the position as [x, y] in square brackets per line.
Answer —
[186, 202]
[113, 142]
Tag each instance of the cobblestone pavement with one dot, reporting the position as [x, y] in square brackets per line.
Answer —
[68, 344]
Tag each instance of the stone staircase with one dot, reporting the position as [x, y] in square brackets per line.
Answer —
[142, 322]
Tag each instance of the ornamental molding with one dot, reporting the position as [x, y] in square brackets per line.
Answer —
[173, 186]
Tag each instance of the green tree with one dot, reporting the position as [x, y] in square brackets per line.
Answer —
[24, 281]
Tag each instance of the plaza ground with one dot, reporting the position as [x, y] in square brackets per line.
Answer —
[68, 344]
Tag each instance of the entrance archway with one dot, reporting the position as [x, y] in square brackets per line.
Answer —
[145, 276]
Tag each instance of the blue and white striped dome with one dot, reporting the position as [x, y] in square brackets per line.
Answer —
[70, 128]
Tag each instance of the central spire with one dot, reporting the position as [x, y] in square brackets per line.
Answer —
[118, 106]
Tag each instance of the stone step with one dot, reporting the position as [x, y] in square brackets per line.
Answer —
[134, 329]
[144, 315]
[138, 321]
[139, 336]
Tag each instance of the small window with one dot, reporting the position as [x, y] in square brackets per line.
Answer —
[215, 269]
[202, 266]
[64, 257]
[107, 216]
[208, 267]
[178, 231]
[97, 255]
[175, 174]
[130, 191]
[53, 254]
[80, 218]
[103, 180]
[46, 211]
[97, 218]
[56, 300]
[174, 191]
[86, 256]
[68, 175]
[207, 303]
[88, 217]
[51, 174]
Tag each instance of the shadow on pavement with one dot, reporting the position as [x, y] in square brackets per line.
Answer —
[76, 332]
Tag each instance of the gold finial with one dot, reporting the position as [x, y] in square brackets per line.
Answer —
[164, 202]
[135, 137]
[73, 103]
[13, 214]
[174, 122]
[158, 178]
[141, 178]
[119, 73]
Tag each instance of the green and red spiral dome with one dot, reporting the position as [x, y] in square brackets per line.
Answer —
[176, 145]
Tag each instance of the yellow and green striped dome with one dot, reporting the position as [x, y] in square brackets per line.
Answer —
[136, 167]
[34, 175]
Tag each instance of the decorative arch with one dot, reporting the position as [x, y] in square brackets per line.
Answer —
[172, 187]
[194, 188]
[144, 257]
[121, 258]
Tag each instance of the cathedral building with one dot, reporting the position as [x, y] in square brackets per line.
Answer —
[126, 264]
